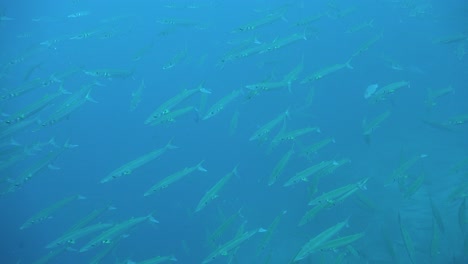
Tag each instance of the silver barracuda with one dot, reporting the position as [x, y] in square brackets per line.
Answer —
[110, 73]
[175, 60]
[270, 231]
[314, 243]
[221, 104]
[167, 106]
[340, 242]
[71, 104]
[263, 131]
[305, 174]
[434, 95]
[314, 148]
[294, 134]
[224, 249]
[164, 183]
[129, 167]
[172, 116]
[158, 259]
[212, 193]
[71, 237]
[282, 42]
[279, 168]
[137, 96]
[35, 107]
[383, 93]
[339, 193]
[326, 71]
[270, 18]
[409, 245]
[115, 231]
[47, 212]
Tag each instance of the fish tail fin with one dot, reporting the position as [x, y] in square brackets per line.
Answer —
[170, 146]
[200, 167]
[348, 64]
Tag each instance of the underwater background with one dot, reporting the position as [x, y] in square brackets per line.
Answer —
[234, 131]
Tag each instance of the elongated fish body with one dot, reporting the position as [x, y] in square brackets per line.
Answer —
[112, 233]
[279, 168]
[158, 259]
[223, 250]
[263, 131]
[167, 106]
[164, 183]
[306, 173]
[314, 244]
[47, 212]
[72, 236]
[172, 116]
[129, 167]
[221, 104]
[212, 193]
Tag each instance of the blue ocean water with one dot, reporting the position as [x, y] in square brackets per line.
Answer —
[79, 79]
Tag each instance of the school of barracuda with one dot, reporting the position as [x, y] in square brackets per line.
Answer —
[290, 132]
